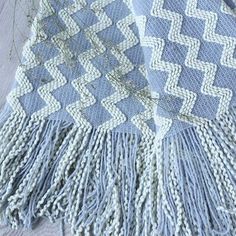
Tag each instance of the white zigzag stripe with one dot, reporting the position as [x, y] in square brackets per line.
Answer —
[191, 60]
[115, 76]
[38, 35]
[52, 65]
[173, 70]
[140, 119]
[174, 35]
[211, 18]
[156, 63]
[92, 73]
[144, 98]
[224, 94]
[227, 10]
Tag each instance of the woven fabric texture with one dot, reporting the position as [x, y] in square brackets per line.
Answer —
[122, 119]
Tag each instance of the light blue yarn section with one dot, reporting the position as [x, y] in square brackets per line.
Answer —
[72, 69]
[173, 18]
[122, 120]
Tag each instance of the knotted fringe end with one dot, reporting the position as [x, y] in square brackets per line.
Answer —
[111, 183]
[196, 171]
[88, 177]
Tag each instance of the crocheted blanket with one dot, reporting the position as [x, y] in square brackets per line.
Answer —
[122, 119]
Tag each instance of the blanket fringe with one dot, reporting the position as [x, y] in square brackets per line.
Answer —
[197, 180]
[112, 183]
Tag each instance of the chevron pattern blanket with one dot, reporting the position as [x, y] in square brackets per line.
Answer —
[122, 119]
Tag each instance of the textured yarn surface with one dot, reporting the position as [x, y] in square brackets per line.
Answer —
[122, 119]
